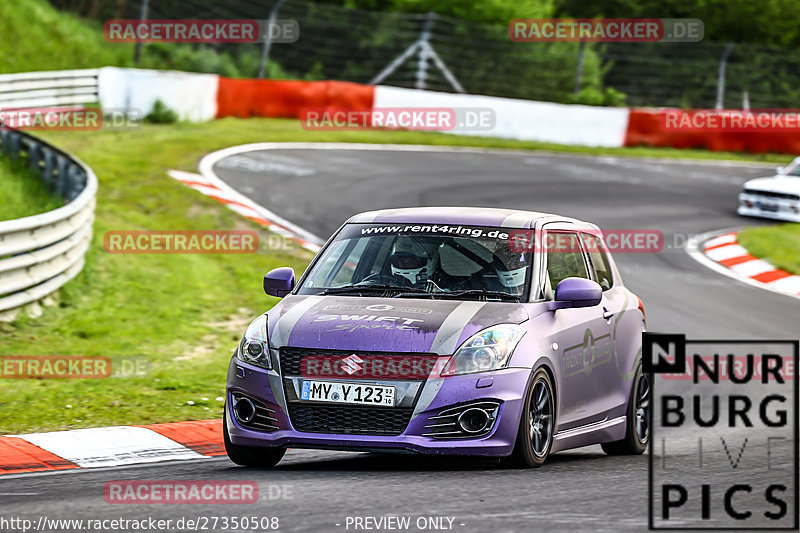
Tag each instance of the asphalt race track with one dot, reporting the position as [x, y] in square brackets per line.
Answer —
[581, 490]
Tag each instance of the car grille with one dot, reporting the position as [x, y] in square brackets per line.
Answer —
[770, 194]
[342, 419]
[291, 358]
[349, 419]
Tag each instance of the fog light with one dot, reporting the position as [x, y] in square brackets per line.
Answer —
[473, 420]
[244, 410]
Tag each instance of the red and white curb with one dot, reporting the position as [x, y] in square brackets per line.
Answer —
[234, 200]
[110, 446]
[724, 254]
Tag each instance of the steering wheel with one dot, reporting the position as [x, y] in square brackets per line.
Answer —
[379, 278]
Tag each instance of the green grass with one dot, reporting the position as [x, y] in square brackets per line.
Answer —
[181, 313]
[780, 245]
[36, 36]
[22, 193]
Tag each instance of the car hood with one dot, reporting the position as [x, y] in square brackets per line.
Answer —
[384, 324]
[782, 184]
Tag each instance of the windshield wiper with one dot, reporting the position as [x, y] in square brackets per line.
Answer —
[366, 288]
[478, 292]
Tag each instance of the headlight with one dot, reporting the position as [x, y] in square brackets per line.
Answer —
[254, 348]
[489, 349]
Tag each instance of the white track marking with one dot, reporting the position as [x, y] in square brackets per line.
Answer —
[110, 446]
[752, 268]
[726, 252]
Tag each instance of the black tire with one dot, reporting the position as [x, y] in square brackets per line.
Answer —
[637, 428]
[253, 456]
[536, 425]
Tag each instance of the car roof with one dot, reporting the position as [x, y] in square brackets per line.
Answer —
[473, 216]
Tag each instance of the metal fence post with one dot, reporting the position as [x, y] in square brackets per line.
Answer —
[723, 62]
[137, 51]
[34, 156]
[61, 177]
[48, 169]
[262, 66]
[579, 68]
[422, 61]
[426, 52]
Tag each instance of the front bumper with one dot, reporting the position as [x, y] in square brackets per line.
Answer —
[505, 386]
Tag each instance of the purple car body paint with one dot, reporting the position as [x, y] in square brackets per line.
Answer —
[427, 330]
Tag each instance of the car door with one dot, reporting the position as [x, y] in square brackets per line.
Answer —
[608, 369]
[581, 336]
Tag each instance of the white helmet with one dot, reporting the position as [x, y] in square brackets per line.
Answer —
[412, 260]
[512, 270]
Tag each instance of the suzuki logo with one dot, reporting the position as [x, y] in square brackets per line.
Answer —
[351, 364]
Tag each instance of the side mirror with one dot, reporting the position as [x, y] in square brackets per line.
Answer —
[578, 292]
[780, 170]
[279, 281]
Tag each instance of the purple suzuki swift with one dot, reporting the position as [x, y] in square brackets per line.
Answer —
[459, 331]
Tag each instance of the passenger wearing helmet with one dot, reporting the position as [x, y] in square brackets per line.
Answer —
[414, 260]
[512, 270]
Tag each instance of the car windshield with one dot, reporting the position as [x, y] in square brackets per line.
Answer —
[793, 168]
[421, 260]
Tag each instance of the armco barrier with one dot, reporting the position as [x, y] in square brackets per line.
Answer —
[49, 88]
[40, 253]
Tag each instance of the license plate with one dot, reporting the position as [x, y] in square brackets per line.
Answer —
[353, 393]
[768, 207]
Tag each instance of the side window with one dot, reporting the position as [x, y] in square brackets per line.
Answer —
[598, 258]
[338, 264]
[564, 257]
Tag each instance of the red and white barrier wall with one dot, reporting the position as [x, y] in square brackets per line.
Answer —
[200, 97]
[287, 98]
[192, 96]
[523, 119]
[646, 127]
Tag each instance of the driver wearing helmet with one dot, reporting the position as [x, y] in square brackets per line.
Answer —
[414, 260]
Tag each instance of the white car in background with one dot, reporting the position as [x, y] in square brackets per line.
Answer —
[777, 197]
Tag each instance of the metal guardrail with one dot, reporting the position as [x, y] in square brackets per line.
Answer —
[49, 88]
[40, 253]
